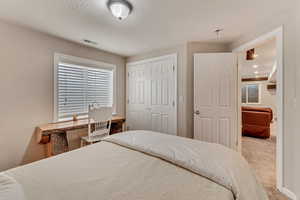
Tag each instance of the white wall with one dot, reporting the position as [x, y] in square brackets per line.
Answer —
[291, 85]
[267, 97]
[26, 88]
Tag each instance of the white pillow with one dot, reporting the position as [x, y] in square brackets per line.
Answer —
[10, 189]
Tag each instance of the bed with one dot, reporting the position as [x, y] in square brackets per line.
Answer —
[136, 165]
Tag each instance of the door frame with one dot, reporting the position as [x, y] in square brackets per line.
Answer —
[278, 34]
[153, 59]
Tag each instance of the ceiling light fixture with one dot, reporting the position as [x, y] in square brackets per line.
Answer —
[255, 66]
[120, 8]
[256, 72]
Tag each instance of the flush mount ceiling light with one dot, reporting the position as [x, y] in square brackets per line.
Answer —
[256, 72]
[255, 66]
[120, 8]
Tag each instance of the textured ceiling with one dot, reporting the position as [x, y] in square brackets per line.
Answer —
[153, 24]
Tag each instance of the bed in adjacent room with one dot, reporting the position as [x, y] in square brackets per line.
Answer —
[136, 165]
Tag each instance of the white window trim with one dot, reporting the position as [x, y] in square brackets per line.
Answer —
[259, 94]
[89, 64]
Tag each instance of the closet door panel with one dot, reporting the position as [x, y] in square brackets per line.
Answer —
[158, 99]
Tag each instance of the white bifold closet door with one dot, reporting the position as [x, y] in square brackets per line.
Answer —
[215, 98]
[151, 95]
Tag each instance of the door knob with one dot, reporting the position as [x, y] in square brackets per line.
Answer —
[197, 112]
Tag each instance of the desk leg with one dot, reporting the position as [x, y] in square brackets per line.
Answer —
[49, 149]
[46, 141]
[124, 126]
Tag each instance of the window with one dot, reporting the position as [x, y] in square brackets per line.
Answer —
[80, 82]
[251, 94]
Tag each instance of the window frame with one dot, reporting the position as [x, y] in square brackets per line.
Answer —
[259, 93]
[58, 58]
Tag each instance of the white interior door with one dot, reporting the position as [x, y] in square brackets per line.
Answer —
[151, 93]
[215, 98]
[137, 100]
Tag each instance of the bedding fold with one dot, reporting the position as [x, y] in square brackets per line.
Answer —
[212, 161]
[10, 189]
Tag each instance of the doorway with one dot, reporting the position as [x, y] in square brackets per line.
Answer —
[260, 100]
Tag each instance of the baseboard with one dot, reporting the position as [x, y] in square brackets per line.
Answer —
[288, 193]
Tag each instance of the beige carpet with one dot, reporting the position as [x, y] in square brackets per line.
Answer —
[261, 154]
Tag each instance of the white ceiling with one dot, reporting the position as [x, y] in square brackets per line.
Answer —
[265, 61]
[153, 24]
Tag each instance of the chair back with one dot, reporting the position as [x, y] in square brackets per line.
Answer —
[99, 120]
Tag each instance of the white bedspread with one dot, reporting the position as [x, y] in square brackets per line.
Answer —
[10, 189]
[110, 171]
[212, 161]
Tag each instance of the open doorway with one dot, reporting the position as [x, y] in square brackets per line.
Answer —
[261, 107]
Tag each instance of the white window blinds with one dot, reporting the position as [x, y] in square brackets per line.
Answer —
[79, 86]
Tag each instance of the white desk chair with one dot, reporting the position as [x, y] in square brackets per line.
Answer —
[99, 124]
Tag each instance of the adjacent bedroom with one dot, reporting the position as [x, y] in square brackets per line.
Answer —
[144, 100]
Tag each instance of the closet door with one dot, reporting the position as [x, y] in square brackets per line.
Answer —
[137, 113]
[162, 96]
[152, 95]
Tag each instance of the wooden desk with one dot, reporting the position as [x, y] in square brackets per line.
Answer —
[44, 132]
